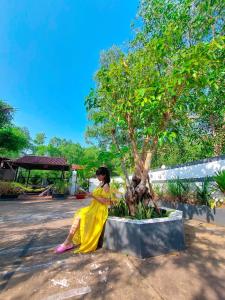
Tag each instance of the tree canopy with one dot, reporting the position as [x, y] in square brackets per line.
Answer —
[13, 139]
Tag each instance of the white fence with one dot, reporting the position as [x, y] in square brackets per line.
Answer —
[195, 171]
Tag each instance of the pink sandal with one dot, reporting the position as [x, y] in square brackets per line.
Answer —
[62, 248]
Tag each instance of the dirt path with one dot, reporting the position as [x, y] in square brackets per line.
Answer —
[29, 269]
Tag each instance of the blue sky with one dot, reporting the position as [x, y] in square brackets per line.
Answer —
[49, 51]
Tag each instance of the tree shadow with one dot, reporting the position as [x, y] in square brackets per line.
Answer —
[144, 239]
[199, 212]
[201, 261]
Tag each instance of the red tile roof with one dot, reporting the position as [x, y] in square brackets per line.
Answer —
[42, 162]
[77, 167]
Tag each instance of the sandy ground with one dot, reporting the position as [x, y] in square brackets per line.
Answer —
[29, 269]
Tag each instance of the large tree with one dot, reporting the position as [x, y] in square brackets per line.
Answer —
[13, 139]
[143, 96]
[6, 113]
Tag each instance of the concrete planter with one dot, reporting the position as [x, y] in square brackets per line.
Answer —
[199, 212]
[9, 197]
[145, 238]
[58, 196]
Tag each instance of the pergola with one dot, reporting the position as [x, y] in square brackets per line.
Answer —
[33, 162]
[7, 172]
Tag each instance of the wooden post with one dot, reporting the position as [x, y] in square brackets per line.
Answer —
[62, 175]
[76, 183]
[16, 174]
[88, 184]
[28, 177]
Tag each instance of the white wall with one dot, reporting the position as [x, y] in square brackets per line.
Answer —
[93, 182]
[196, 171]
[199, 170]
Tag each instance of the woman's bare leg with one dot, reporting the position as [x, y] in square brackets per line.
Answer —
[73, 229]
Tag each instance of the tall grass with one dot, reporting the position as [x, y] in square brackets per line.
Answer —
[142, 211]
[220, 180]
[203, 192]
[178, 189]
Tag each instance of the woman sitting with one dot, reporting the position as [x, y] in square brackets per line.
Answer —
[89, 221]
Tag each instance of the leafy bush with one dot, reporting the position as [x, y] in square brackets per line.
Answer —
[203, 193]
[179, 189]
[220, 180]
[9, 188]
[60, 187]
[15, 188]
[83, 183]
[147, 212]
[120, 209]
[28, 189]
[159, 191]
[142, 212]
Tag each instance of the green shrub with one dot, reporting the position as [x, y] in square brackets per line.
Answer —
[9, 188]
[159, 191]
[120, 209]
[179, 189]
[15, 188]
[26, 189]
[147, 212]
[60, 187]
[203, 192]
[142, 212]
[83, 183]
[220, 180]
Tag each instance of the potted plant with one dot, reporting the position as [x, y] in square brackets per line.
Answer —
[80, 194]
[9, 190]
[59, 190]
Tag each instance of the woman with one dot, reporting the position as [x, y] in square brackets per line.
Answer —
[89, 221]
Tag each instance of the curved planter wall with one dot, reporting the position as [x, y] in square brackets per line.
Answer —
[145, 238]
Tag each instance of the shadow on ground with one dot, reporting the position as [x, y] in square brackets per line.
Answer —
[30, 269]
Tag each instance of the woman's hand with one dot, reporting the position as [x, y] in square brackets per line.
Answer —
[88, 194]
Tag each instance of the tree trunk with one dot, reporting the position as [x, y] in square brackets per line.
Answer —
[139, 192]
[136, 188]
[218, 135]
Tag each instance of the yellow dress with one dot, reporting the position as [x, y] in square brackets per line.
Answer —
[92, 220]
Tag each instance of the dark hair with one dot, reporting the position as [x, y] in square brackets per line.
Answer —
[104, 171]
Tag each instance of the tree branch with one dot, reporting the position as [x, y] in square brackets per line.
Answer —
[123, 165]
[137, 159]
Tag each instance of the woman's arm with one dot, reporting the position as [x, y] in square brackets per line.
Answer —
[99, 199]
